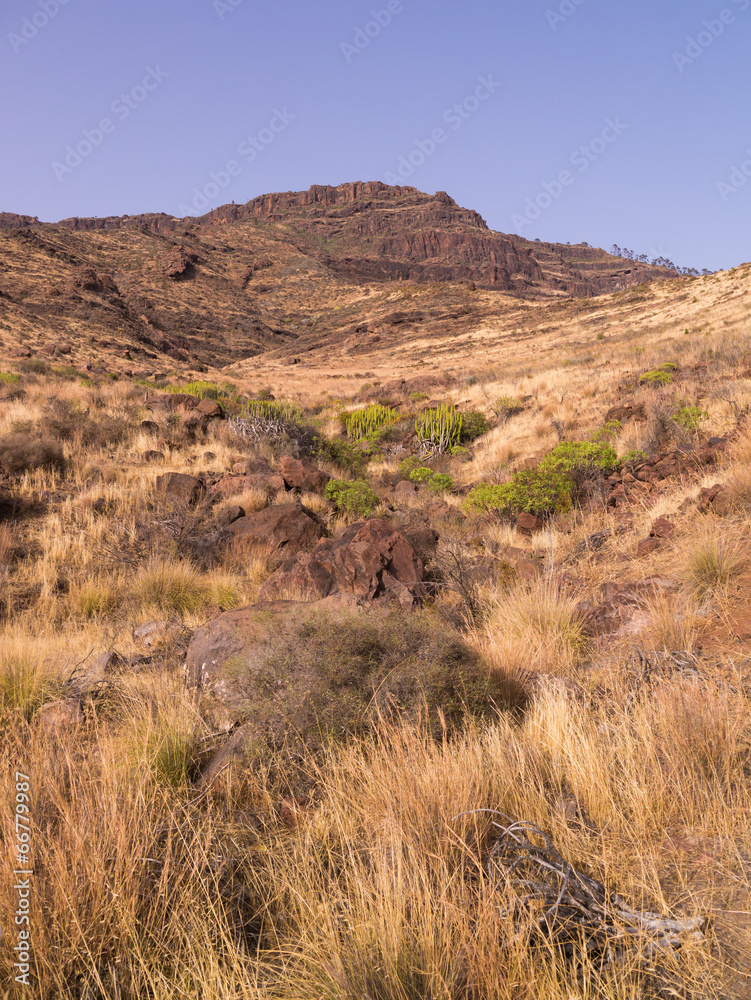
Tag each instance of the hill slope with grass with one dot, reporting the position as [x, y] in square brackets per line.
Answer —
[410, 657]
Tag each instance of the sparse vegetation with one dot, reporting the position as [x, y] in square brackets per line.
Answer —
[353, 497]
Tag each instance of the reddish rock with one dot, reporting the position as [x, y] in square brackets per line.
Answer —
[180, 487]
[288, 528]
[626, 411]
[300, 474]
[153, 456]
[370, 560]
[229, 515]
[714, 500]
[529, 524]
[59, 716]
[647, 547]
[662, 528]
[404, 490]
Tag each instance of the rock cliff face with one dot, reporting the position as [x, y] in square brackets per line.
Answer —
[243, 280]
[370, 231]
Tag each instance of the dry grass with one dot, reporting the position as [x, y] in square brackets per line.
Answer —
[144, 886]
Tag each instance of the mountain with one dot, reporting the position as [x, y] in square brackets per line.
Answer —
[244, 280]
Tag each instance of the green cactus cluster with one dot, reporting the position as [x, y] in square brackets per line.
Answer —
[440, 429]
[271, 409]
[364, 423]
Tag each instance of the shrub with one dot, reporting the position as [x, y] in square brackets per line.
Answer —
[439, 482]
[203, 390]
[633, 458]
[94, 598]
[310, 677]
[64, 421]
[659, 376]
[24, 452]
[347, 455]
[10, 378]
[474, 425]
[364, 423]
[690, 417]
[581, 460]
[536, 491]
[352, 497]
[440, 429]
[35, 366]
[507, 406]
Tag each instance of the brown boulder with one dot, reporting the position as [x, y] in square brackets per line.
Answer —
[647, 547]
[58, 716]
[229, 515]
[626, 411]
[370, 560]
[528, 524]
[180, 487]
[662, 528]
[714, 500]
[302, 475]
[287, 527]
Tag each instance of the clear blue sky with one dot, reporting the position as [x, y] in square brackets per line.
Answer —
[288, 94]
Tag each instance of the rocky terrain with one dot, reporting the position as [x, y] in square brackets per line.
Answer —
[375, 616]
[153, 292]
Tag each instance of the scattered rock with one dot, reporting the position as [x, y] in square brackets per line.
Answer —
[180, 487]
[153, 456]
[404, 490]
[370, 560]
[234, 748]
[662, 528]
[714, 500]
[59, 716]
[302, 475]
[647, 547]
[154, 633]
[289, 528]
[626, 411]
[229, 515]
[529, 524]
[149, 426]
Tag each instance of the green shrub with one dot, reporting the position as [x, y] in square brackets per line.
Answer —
[408, 465]
[418, 397]
[10, 378]
[690, 418]
[347, 455]
[659, 376]
[440, 429]
[507, 406]
[474, 425]
[352, 497]
[35, 366]
[536, 491]
[439, 482]
[364, 423]
[581, 460]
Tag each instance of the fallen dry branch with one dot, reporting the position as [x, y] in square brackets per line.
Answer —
[555, 904]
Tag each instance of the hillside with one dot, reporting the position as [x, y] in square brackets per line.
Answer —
[155, 292]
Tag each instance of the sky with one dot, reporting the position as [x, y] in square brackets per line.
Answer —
[605, 121]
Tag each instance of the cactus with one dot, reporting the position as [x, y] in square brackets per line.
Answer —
[269, 409]
[439, 430]
[364, 423]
